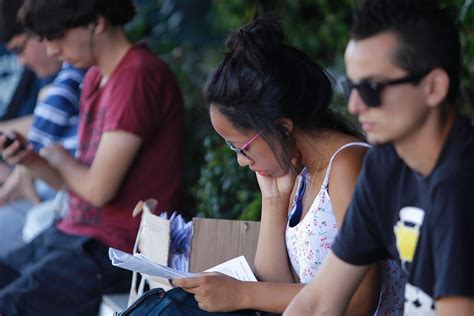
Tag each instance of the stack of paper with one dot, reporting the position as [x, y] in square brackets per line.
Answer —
[237, 268]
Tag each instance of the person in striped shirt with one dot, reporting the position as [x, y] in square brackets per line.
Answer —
[55, 120]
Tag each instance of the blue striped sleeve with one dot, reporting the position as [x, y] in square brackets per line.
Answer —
[55, 118]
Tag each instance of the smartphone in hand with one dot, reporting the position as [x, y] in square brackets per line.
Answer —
[10, 140]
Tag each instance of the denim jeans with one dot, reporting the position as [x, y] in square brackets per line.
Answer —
[12, 219]
[58, 274]
[14, 215]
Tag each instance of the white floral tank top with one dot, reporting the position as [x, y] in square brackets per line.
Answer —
[309, 240]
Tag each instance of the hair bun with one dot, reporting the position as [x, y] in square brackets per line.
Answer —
[253, 41]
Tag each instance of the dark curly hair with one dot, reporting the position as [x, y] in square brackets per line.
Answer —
[50, 18]
[262, 80]
[428, 35]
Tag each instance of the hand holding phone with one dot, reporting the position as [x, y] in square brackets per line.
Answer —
[15, 153]
[10, 139]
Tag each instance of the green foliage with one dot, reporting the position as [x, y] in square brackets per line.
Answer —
[318, 27]
[224, 190]
[190, 36]
[466, 20]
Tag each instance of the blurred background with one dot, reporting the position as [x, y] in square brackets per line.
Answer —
[190, 35]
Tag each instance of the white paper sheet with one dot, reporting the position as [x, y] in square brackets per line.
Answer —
[237, 268]
[142, 264]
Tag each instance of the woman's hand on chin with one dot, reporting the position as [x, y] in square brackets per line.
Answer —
[278, 187]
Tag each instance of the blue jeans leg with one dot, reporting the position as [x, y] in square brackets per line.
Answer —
[7, 275]
[64, 275]
[12, 219]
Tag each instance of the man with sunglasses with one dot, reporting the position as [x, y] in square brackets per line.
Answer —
[413, 201]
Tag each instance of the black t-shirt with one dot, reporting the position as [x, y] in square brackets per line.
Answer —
[426, 223]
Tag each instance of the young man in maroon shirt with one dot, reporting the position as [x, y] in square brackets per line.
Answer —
[130, 143]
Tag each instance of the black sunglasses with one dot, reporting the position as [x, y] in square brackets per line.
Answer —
[370, 91]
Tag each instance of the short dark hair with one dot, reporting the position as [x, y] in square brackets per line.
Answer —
[9, 23]
[262, 80]
[50, 18]
[428, 35]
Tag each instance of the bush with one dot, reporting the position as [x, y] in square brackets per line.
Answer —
[224, 190]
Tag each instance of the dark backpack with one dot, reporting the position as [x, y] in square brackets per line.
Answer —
[175, 302]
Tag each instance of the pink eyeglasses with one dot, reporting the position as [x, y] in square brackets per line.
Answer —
[242, 149]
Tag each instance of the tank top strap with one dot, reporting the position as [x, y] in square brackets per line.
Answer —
[328, 171]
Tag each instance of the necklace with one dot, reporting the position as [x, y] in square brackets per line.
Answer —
[324, 153]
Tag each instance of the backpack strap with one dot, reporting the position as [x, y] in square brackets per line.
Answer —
[297, 208]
